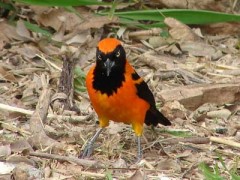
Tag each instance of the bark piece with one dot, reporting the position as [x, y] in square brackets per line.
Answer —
[193, 96]
[63, 99]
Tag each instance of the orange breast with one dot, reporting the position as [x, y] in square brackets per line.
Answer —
[124, 105]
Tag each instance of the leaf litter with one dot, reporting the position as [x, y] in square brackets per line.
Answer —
[195, 79]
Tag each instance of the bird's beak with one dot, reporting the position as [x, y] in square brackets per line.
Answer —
[109, 64]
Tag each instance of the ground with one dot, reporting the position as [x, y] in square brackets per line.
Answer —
[194, 75]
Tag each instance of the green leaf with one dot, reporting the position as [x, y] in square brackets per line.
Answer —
[186, 16]
[177, 133]
[109, 175]
[37, 29]
[7, 6]
[62, 2]
[234, 176]
[79, 80]
[208, 172]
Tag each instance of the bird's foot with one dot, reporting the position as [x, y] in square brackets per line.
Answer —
[87, 152]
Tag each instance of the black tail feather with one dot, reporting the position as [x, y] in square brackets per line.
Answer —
[153, 117]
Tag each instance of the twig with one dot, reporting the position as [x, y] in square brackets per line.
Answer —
[39, 138]
[151, 32]
[189, 169]
[14, 128]
[194, 140]
[92, 174]
[82, 162]
[49, 62]
[202, 140]
[224, 141]
[50, 116]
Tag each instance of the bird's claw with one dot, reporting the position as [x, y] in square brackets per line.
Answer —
[87, 152]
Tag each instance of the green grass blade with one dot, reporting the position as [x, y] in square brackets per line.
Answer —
[79, 80]
[62, 2]
[37, 29]
[186, 16]
[177, 133]
[7, 6]
[208, 172]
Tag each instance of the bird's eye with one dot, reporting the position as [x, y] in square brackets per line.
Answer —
[118, 54]
[99, 57]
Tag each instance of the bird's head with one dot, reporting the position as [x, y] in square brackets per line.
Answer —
[110, 56]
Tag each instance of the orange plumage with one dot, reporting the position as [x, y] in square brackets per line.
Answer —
[117, 92]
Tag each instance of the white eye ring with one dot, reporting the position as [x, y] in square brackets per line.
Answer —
[118, 54]
[99, 57]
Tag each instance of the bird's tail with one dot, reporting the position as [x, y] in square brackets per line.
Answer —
[153, 117]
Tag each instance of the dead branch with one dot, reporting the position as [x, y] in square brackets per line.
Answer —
[202, 140]
[65, 88]
[38, 118]
[194, 140]
[75, 119]
[81, 162]
[224, 141]
[150, 32]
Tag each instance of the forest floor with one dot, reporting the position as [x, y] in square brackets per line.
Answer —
[194, 76]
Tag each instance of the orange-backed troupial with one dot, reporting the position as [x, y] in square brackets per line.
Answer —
[119, 94]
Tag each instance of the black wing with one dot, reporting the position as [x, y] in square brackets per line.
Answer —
[153, 116]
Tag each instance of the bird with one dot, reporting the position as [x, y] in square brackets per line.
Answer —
[119, 94]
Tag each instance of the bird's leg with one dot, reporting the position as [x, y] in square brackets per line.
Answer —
[89, 146]
[139, 150]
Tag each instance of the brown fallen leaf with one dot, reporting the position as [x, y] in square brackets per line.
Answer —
[20, 145]
[169, 164]
[96, 22]
[222, 113]
[8, 32]
[180, 31]
[24, 171]
[138, 175]
[56, 17]
[5, 151]
[28, 51]
[173, 109]
[199, 48]
[23, 31]
[16, 159]
[6, 75]
[39, 138]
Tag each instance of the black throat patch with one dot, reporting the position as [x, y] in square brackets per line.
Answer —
[110, 84]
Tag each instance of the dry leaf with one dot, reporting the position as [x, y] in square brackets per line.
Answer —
[28, 50]
[22, 30]
[96, 22]
[6, 168]
[6, 75]
[180, 31]
[20, 145]
[5, 151]
[199, 48]
[169, 164]
[138, 175]
[24, 171]
[56, 17]
[222, 113]
[8, 32]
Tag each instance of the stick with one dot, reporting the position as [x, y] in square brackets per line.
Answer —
[81, 162]
[50, 116]
[194, 140]
[225, 141]
[201, 140]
